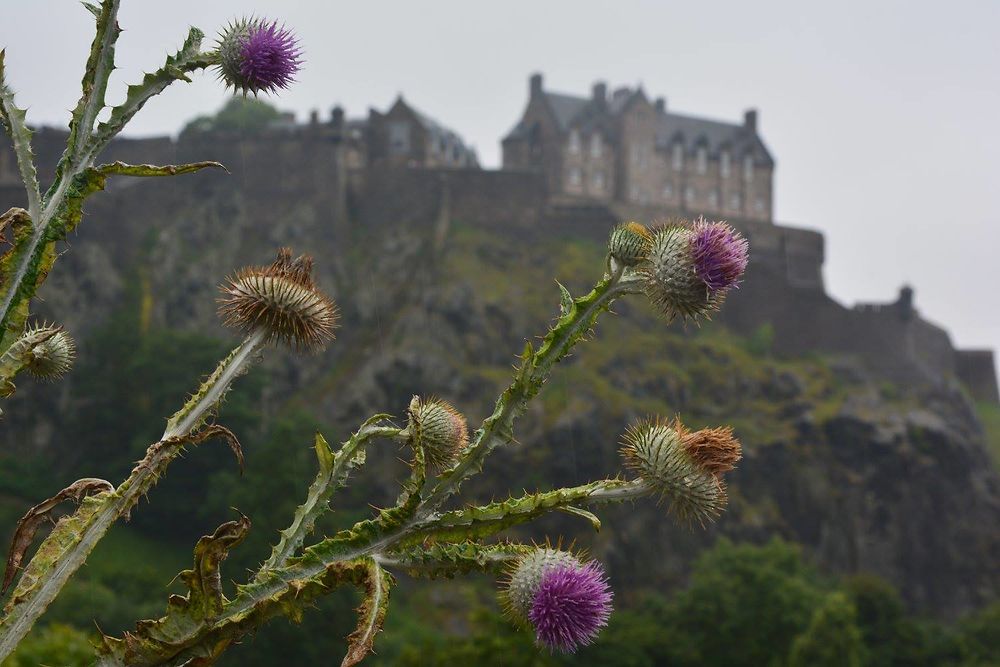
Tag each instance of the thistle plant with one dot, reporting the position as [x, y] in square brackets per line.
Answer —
[684, 268]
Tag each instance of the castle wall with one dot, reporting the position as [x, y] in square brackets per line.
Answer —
[977, 370]
[784, 286]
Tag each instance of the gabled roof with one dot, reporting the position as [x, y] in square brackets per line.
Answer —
[439, 133]
[586, 115]
[715, 135]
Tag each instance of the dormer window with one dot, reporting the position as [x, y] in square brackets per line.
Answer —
[677, 157]
[701, 160]
[748, 168]
[724, 165]
[596, 146]
[574, 142]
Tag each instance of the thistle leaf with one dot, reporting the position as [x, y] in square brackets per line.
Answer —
[14, 122]
[143, 170]
[565, 300]
[371, 615]
[582, 513]
[204, 580]
[29, 523]
[334, 469]
[100, 64]
[188, 59]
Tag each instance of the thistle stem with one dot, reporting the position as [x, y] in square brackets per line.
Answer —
[71, 542]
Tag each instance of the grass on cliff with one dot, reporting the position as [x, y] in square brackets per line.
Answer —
[989, 415]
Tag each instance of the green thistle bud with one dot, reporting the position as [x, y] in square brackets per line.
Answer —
[282, 299]
[52, 358]
[672, 282]
[630, 243]
[683, 467]
[517, 593]
[439, 429]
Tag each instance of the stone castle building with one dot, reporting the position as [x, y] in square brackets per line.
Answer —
[623, 147]
[571, 166]
[404, 136]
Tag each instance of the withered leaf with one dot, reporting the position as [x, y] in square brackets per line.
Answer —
[29, 523]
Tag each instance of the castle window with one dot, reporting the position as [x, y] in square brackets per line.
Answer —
[668, 191]
[678, 156]
[758, 205]
[399, 138]
[748, 168]
[689, 195]
[575, 177]
[596, 146]
[597, 180]
[724, 164]
[635, 193]
[701, 160]
[713, 199]
[735, 202]
[574, 142]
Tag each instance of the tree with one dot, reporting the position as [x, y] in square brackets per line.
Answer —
[246, 115]
[833, 638]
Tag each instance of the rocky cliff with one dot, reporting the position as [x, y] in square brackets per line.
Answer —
[870, 475]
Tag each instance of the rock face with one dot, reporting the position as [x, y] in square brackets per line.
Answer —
[870, 476]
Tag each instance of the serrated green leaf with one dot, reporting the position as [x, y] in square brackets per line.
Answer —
[148, 170]
[582, 513]
[188, 59]
[334, 469]
[100, 64]
[93, 9]
[14, 121]
[565, 300]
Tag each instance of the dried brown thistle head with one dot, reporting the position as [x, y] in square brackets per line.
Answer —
[282, 299]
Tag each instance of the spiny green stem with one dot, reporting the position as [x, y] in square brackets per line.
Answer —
[578, 317]
[333, 473]
[72, 540]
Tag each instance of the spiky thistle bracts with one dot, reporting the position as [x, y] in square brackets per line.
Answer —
[630, 243]
[256, 56]
[52, 358]
[438, 428]
[564, 600]
[281, 299]
[683, 467]
[690, 267]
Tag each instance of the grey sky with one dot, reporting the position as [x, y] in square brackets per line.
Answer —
[882, 115]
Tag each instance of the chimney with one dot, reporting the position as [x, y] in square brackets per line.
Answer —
[337, 117]
[536, 85]
[750, 120]
[314, 117]
[661, 105]
[599, 93]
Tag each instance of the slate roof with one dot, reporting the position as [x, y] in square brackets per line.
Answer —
[444, 136]
[583, 114]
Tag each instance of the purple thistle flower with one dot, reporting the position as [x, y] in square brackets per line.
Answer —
[719, 254]
[256, 56]
[570, 606]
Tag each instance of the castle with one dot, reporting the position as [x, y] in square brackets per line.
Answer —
[572, 166]
[625, 148]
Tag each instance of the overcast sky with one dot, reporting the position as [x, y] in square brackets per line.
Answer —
[883, 116]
